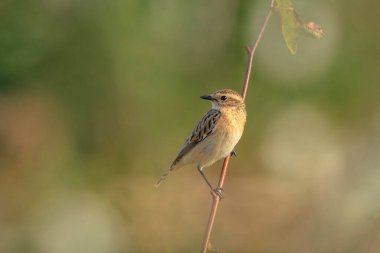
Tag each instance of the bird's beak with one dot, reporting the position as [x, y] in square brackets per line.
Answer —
[207, 97]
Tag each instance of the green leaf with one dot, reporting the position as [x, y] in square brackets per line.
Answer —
[292, 26]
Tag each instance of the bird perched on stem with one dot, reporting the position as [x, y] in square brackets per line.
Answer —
[215, 136]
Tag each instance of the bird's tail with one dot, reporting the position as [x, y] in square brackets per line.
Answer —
[163, 177]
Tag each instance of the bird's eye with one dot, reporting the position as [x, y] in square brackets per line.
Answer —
[223, 98]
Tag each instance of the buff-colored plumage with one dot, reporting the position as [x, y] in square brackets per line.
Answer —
[216, 134]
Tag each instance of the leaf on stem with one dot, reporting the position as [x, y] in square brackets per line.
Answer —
[292, 26]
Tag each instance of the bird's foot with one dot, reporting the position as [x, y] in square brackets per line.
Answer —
[233, 153]
[217, 192]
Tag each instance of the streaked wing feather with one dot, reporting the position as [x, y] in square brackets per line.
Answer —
[204, 128]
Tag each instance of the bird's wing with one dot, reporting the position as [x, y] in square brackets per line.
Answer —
[205, 127]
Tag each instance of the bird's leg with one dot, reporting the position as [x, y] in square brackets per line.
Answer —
[217, 191]
[205, 178]
[233, 153]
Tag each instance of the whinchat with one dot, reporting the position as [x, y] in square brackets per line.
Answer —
[215, 136]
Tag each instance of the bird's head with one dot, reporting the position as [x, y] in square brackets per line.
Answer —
[224, 98]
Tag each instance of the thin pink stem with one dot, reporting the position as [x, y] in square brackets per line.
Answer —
[216, 198]
[251, 52]
[215, 204]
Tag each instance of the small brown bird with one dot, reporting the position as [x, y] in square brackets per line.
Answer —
[215, 136]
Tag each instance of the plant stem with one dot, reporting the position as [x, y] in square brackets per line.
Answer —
[251, 52]
[215, 197]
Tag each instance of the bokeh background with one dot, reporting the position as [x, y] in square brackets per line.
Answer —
[96, 98]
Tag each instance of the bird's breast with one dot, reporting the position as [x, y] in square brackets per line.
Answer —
[232, 129]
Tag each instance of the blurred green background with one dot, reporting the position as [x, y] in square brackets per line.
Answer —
[96, 98]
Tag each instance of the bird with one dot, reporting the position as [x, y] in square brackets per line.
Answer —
[215, 136]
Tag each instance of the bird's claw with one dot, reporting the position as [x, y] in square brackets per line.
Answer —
[218, 192]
